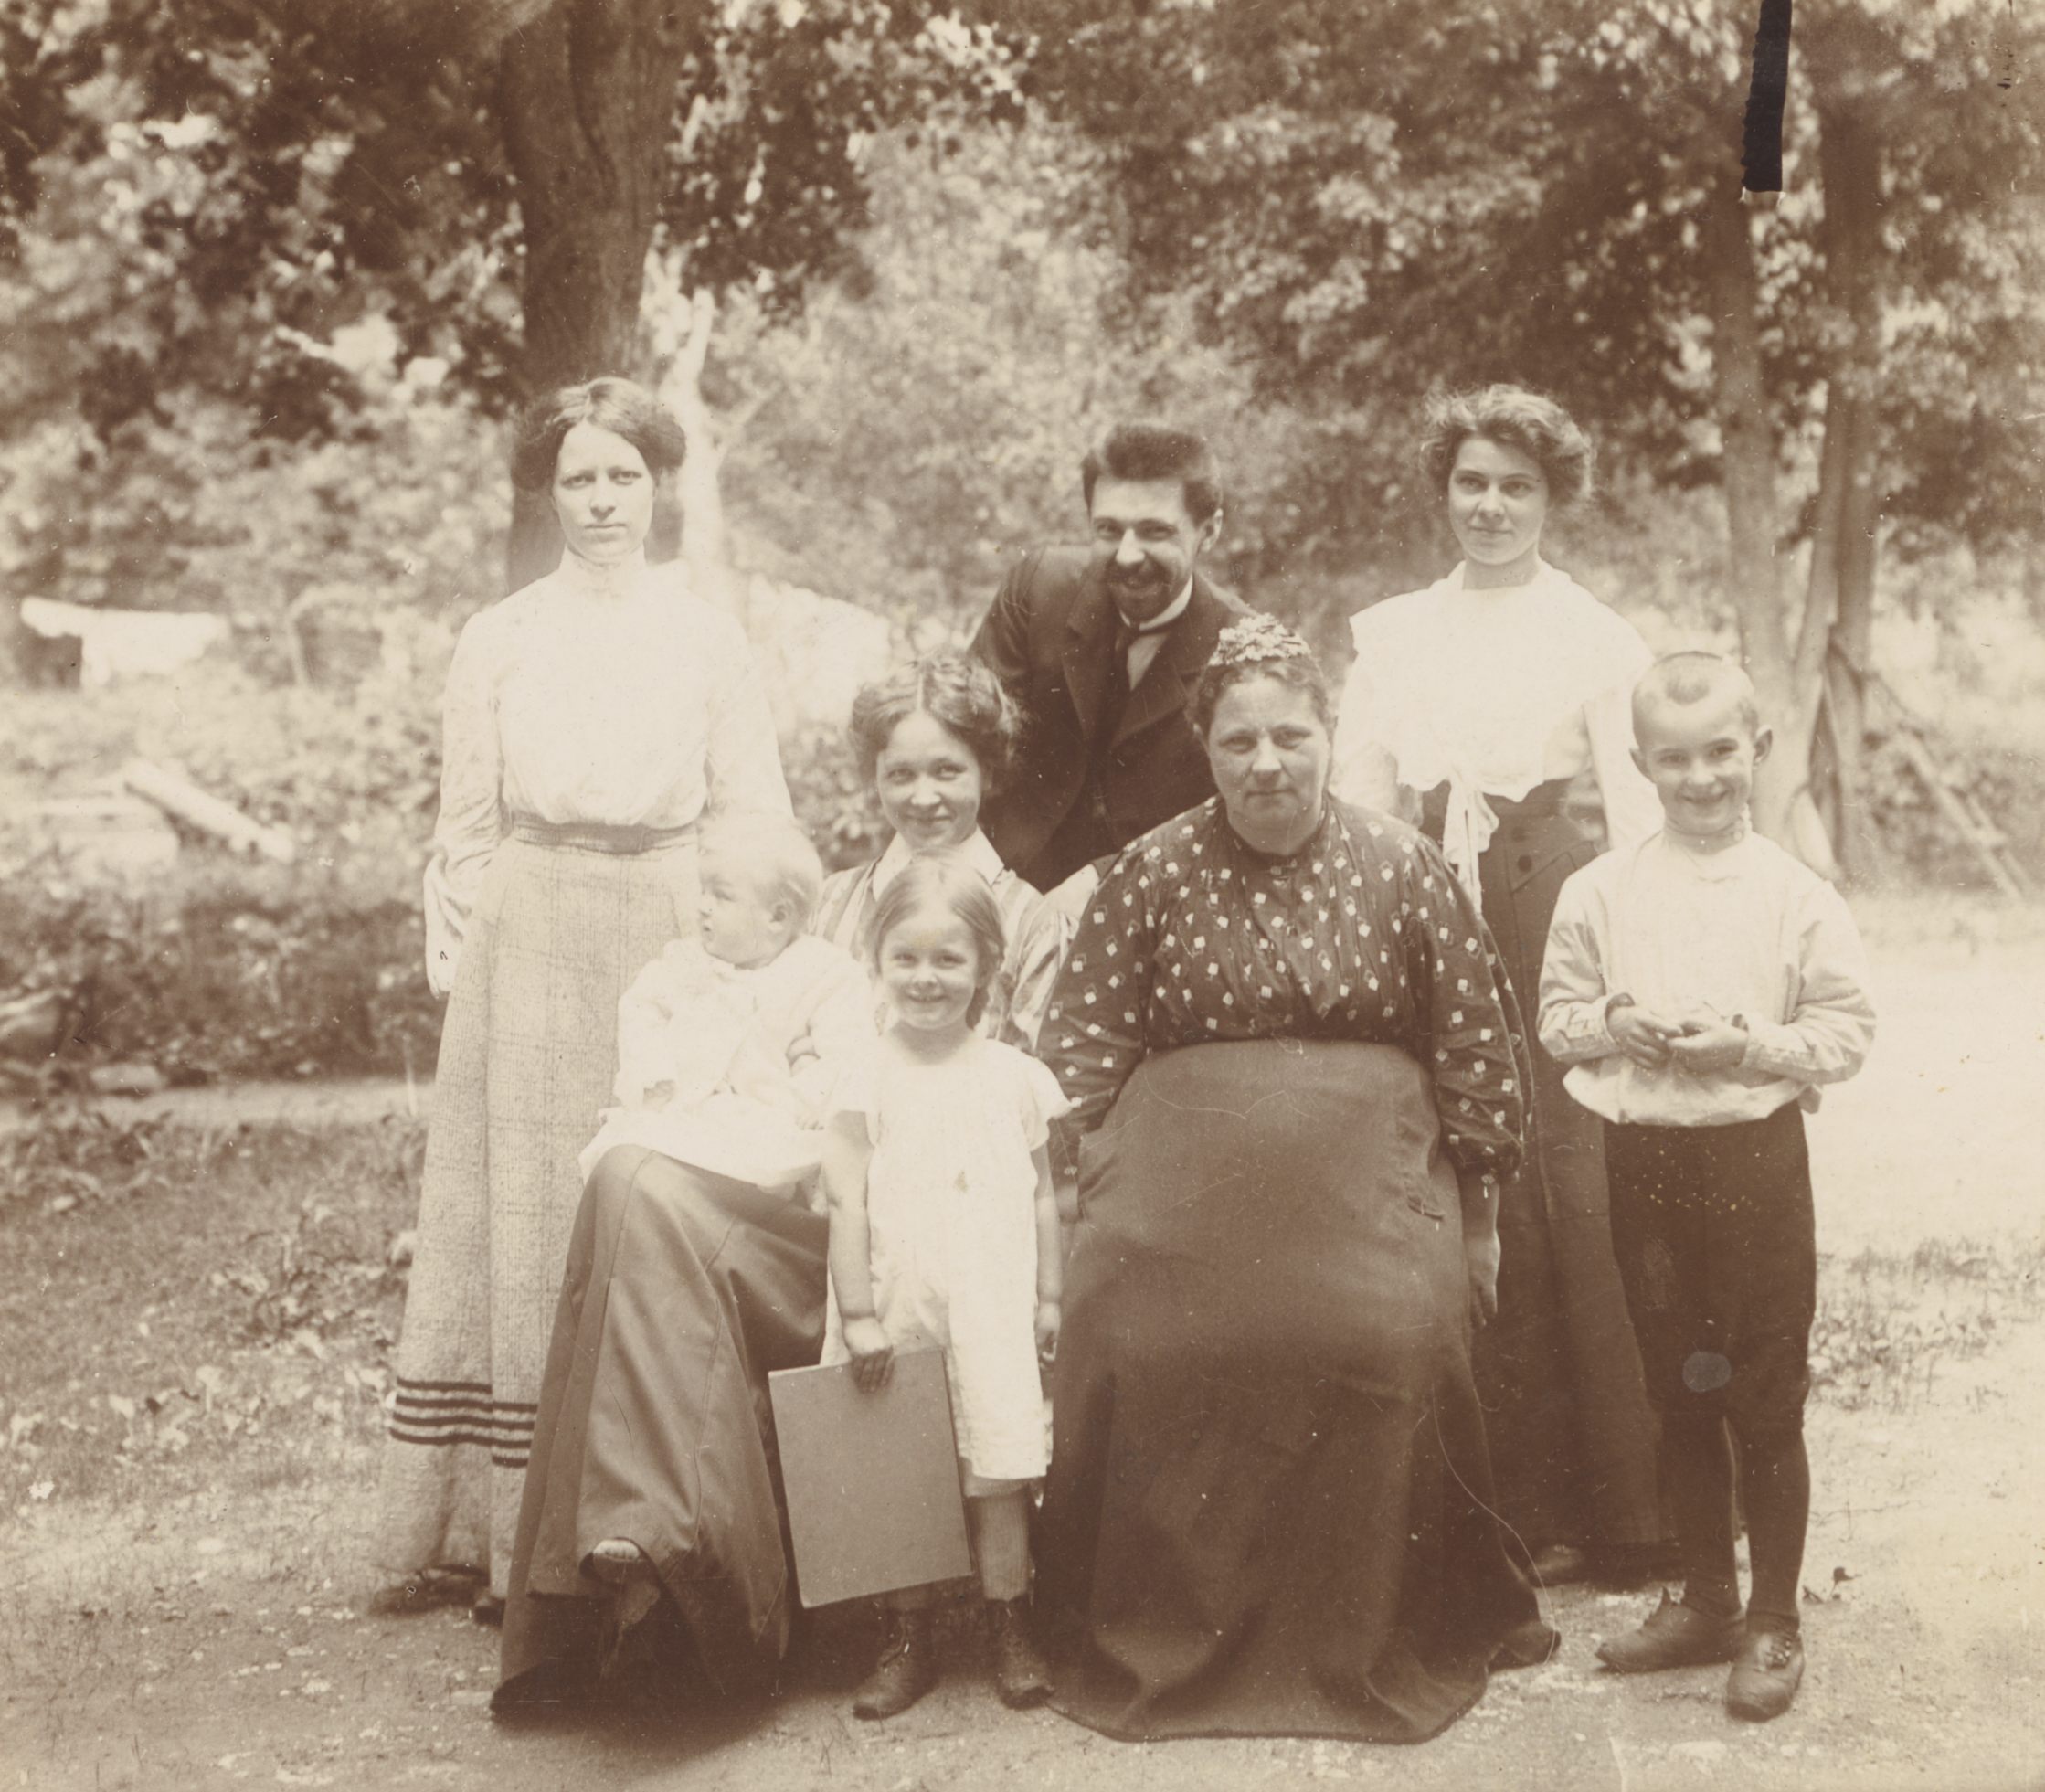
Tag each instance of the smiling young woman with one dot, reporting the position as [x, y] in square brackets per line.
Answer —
[934, 739]
[1473, 708]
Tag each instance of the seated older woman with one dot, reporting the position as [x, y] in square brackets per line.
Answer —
[653, 1479]
[1299, 1080]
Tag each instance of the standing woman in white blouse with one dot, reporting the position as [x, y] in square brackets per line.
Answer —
[1472, 707]
[590, 721]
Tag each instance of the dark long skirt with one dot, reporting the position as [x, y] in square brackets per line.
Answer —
[1268, 1507]
[1572, 1436]
[682, 1291]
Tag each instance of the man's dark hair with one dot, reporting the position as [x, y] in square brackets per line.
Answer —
[1156, 450]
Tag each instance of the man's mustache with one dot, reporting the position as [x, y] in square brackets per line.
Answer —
[1146, 573]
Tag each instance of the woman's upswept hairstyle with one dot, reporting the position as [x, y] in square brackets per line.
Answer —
[611, 403]
[954, 690]
[1537, 426]
[1258, 646]
[943, 880]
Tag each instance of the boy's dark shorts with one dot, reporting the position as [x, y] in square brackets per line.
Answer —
[1717, 1251]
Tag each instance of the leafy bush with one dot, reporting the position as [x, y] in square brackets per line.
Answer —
[831, 799]
[244, 974]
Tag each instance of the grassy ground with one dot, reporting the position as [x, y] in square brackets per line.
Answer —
[195, 1325]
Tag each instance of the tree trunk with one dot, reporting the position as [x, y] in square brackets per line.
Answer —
[1850, 174]
[1748, 443]
[585, 102]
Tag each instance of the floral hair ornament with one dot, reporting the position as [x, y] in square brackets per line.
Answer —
[1257, 639]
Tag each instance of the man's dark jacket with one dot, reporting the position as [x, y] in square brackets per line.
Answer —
[1074, 796]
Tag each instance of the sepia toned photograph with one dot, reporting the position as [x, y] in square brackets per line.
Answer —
[1006, 893]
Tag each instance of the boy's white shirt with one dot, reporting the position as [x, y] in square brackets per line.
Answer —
[1742, 931]
[722, 1033]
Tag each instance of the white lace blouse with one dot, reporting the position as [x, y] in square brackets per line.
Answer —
[1493, 692]
[603, 696]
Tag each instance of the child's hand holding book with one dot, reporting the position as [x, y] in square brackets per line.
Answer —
[873, 1356]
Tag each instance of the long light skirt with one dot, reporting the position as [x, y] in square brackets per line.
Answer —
[528, 1053]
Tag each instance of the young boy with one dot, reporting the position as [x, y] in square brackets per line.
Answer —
[729, 1043]
[1702, 986]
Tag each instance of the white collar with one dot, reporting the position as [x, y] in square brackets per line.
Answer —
[1719, 856]
[1541, 576]
[586, 575]
[977, 851]
[1166, 617]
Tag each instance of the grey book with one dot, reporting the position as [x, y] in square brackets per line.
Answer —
[872, 1479]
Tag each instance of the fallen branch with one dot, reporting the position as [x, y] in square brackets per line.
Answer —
[182, 801]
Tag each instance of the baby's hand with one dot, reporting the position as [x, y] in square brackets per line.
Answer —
[660, 1095]
[872, 1357]
[1643, 1037]
[802, 1051]
[1714, 1047]
[1049, 1318]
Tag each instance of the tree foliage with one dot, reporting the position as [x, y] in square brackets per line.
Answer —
[223, 185]
[1377, 201]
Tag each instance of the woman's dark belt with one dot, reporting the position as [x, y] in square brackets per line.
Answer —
[623, 840]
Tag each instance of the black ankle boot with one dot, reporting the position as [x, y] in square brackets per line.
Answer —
[907, 1668]
[1022, 1676]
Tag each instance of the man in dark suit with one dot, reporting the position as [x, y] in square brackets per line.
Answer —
[1099, 647]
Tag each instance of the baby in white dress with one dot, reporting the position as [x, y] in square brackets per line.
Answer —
[730, 1044]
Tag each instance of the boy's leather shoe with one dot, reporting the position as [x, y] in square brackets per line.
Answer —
[1677, 1636]
[906, 1670]
[1765, 1675]
[1022, 1676]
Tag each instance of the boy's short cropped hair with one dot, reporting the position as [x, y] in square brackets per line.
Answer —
[1693, 675]
[774, 854]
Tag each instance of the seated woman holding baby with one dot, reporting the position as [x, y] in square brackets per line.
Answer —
[697, 1265]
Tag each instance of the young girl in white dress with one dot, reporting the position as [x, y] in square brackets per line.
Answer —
[944, 1233]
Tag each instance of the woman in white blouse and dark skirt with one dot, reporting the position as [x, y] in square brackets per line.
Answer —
[590, 721]
[1473, 708]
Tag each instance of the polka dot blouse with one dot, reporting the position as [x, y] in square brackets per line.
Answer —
[1364, 934]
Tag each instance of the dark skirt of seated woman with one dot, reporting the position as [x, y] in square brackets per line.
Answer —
[1268, 1509]
[682, 1291]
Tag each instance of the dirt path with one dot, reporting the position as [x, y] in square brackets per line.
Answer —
[307, 1104]
[222, 1642]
